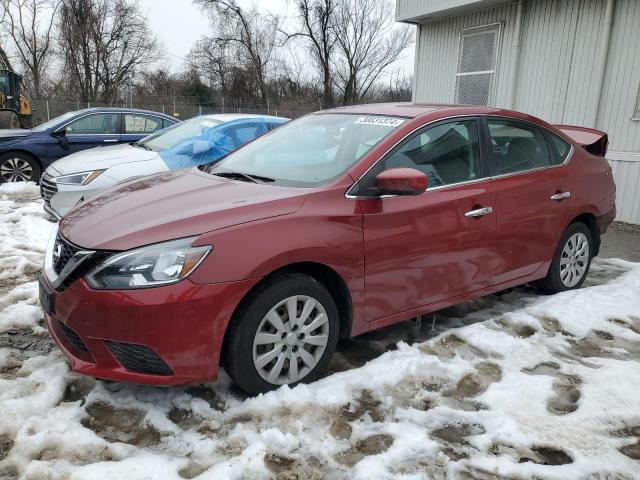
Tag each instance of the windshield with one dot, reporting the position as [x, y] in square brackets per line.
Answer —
[204, 140]
[310, 151]
[178, 133]
[54, 121]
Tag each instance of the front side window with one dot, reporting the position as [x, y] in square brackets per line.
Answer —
[518, 147]
[94, 124]
[311, 151]
[477, 65]
[447, 154]
[141, 124]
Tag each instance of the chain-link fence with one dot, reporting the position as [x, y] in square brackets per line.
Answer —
[44, 110]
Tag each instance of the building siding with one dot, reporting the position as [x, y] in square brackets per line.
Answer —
[436, 72]
[556, 76]
[626, 174]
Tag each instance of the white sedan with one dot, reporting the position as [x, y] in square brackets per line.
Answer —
[198, 141]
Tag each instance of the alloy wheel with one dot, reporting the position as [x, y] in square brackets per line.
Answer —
[290, 340]
[574, 259]
[16, 170]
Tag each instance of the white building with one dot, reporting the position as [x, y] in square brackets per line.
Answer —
[573, 62]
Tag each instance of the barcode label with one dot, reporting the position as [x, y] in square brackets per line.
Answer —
[380, 121]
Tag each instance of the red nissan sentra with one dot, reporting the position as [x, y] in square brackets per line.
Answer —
[330, 226]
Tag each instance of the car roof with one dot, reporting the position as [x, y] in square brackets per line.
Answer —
[124, 110]
[414, 110]
[228, 117]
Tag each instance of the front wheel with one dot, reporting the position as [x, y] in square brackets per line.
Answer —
[571, 262]
[18, 167]
[283, 334]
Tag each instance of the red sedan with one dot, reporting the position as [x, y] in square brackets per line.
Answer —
[333, 225]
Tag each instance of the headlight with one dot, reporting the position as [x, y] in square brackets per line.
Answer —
[159, 264]
[81, 178]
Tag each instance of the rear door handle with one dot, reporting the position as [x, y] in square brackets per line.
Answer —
[480, 212]
[560, 196]
[110, 140]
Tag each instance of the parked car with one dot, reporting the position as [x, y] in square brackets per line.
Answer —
[197, 141]
[333, 225]
[25, 154]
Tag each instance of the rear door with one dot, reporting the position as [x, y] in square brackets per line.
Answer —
[136, 126]
[430, 247]
[533, 188]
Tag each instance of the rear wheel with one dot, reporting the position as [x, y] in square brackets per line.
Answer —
[18, 167]
[9, 119]
[571, 261]
[283, 334]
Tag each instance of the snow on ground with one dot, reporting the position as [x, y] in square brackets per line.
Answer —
[512, 386]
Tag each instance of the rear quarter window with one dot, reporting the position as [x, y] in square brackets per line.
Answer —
[560, 147]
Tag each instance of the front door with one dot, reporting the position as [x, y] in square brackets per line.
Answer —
[426, 248]
[92, 130]
[533, 189]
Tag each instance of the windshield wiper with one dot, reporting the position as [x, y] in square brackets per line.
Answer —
[261, 178]
[236, 176]
[140, 145]
[245, 177]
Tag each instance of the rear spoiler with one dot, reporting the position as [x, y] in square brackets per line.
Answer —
[593, 141]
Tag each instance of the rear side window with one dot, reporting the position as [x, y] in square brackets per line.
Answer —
[141, 124]
[560, 146]
[518, 147]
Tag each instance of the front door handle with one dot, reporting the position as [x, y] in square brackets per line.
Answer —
[110, 140]
[560, 196]
[480, 212]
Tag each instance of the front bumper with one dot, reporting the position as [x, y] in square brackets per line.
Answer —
[132, 335]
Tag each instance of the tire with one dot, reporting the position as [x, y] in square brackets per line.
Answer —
[9, 120]
[568, 270]
[19, 167]
[245, 354]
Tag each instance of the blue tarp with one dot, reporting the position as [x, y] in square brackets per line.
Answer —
[215, 142]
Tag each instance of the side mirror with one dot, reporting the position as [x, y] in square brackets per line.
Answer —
[401, 181]
[61, 135]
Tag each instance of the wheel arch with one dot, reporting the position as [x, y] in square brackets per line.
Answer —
[24, 152]
[324, 274]
[590, 220]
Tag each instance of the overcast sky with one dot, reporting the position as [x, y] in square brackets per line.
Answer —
[179, 24]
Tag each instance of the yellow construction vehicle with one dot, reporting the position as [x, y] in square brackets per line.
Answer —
[15, 109]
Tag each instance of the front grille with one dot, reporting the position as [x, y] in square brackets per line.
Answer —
[62, 253]
[47, 190]
[73, 338]
[138, 358]
[85, 267]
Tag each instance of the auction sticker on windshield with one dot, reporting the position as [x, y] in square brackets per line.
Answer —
[381, 121]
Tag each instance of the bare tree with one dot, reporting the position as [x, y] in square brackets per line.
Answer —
[29, 24]
[250, 35]
[316, 21]
[103, 43]
[4, 58]
[214, 61]
[368, 44]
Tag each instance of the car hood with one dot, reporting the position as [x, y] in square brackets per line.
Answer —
[100, 158]
[173, 205]
[10, 134]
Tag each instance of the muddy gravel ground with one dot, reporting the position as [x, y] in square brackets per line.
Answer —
[514, 385]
